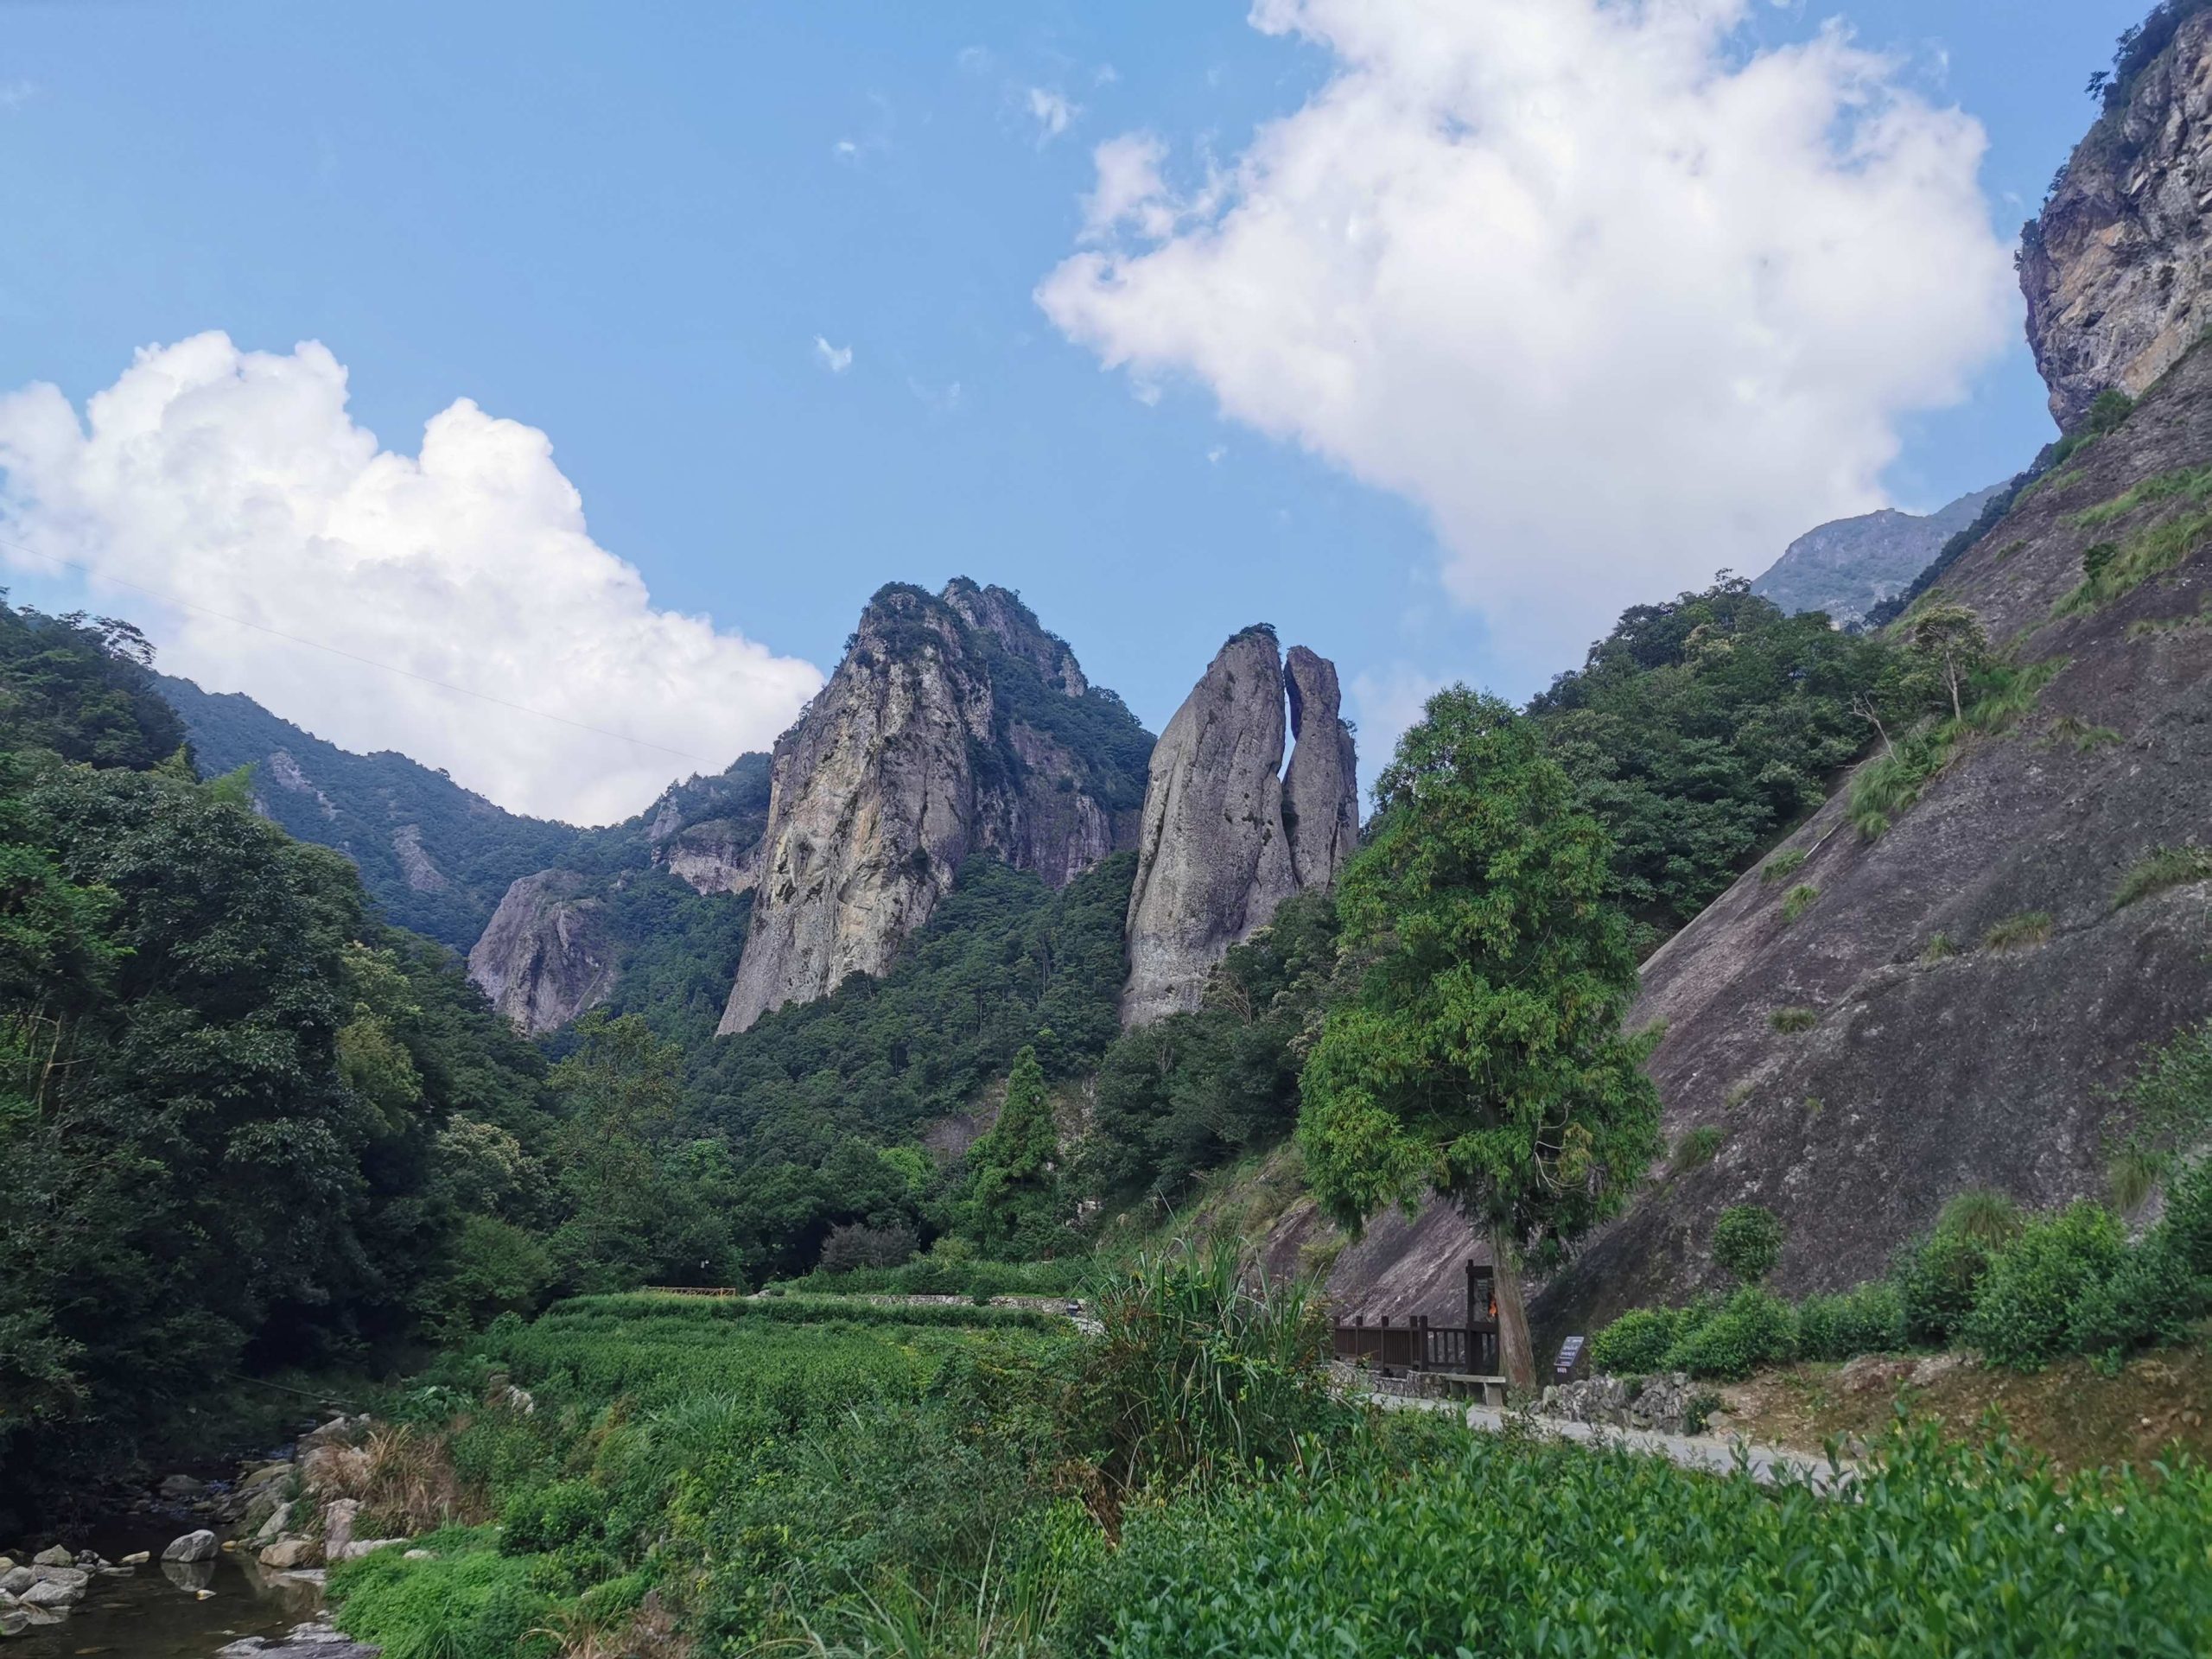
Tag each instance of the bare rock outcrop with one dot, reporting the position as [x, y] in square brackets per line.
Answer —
[929, 743]
[546, 956]
[2114, 267]
[1965, 994]
[1215, 854]
[1320, 792]
[720, 855]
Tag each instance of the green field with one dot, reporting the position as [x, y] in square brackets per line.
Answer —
[808, 1475]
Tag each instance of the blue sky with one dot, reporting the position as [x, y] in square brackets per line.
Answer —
[628, 229]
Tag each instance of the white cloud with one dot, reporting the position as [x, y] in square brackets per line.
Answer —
[1052, 112]
[845, 150]
[835, 358]
[14, 94]
[238, 481]
[1616, 299]
[1130, 189]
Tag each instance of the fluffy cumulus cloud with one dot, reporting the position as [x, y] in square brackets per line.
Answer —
[237, 480]
[1617, 300]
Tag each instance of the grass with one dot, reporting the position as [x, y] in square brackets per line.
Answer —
[1784, 865]
[2018, 932]
[1941, 947]
[2189, 484]
[2149, 552]
[2152, 627]
[2085, 738]
[1698, 1148]
[1887, 785]
[1790, 1021]
[1797, 901]
[2160, 868]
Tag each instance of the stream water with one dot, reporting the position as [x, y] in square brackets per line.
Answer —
[154, 1614]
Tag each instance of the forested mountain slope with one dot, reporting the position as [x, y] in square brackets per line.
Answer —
[435, 857]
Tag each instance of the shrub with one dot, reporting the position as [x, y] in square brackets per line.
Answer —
[2160, 868]
[1698, 1148]
[1637, 1342]
[1203, 1366]
[2149, 1299]
[2023, 1308]
[1867, 1320]
[1797, 901]
[544, 1519]
[2188, 1221]
[1747, 1242]
[1988, 1217]
[2015, 932]
[1789, 1022]
[1752, 1328]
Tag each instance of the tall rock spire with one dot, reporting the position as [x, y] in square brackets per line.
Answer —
[1216, 851]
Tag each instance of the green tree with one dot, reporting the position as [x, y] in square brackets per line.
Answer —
[1013, 1196]
[1950, 640]
[1483, 1056]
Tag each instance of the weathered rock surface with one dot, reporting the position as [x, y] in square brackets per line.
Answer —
[1848, 567]
[289, 1551]
[415, 865]
[717, 856]
[199, 1546]
[2114, 267]
[547, 954]
[932, 742]
[317, 1640]
[1215, 855]
[54, 1555]
[1320, 792]
[1929, 1072]
[1666, 1402]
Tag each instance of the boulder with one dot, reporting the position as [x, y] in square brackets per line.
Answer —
[53, 1593]
[17, 1579]
[138, 1558]
[289, 1553]
[272, 1528]
[179, 1488]
[353, 1550]
[56, 1556]
[14, 1620]
[7, 1564]
[199, 1546]
[338, 1519]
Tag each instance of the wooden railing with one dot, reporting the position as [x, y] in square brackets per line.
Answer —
[693, 1290]
[1414, 1344]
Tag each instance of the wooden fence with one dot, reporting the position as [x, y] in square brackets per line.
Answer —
[1414, 1344]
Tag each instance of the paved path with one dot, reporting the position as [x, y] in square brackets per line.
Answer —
[1768, 1465]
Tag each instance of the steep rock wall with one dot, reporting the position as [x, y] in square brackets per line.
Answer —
[546, 957]
[2114, 267]
[1938, 1058]
[919, 752]
[1215, 856]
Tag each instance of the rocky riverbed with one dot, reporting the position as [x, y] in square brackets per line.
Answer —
[229, 1566]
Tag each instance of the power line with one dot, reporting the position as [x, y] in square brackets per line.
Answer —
[353, 656]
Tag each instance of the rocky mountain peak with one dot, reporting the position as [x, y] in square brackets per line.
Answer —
[2114, 267]
[954, 725]
[1224, 836]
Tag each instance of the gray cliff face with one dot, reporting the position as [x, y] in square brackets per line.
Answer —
[996, 612]
[2114, 268]
[1848, 567]
[1214, 855]
[911, 759]
[546, 956]
[720, 855]
[1320, 792]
